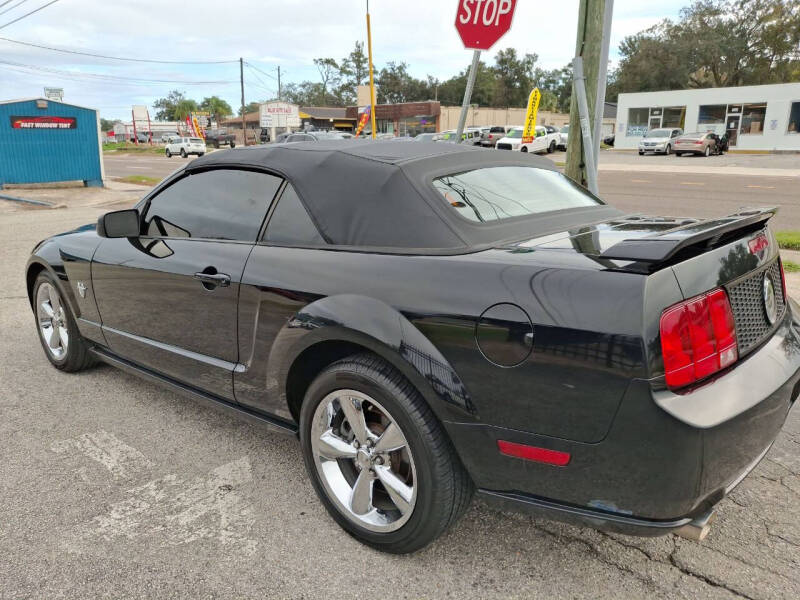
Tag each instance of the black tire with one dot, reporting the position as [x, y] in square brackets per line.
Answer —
[641, 153]
[678, 153]
[168, 153]
[444, 489]
[668, 150]
[183, 153]
[233, 144]
[523, 149]
[77, 356]
[216, 144]
[200, 153]
[551, 148]
[707, 151]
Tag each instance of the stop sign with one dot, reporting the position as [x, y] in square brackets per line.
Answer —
[480, 23]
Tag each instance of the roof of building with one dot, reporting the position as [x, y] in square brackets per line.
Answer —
[46, 100]
[378, 194]
[322, 112]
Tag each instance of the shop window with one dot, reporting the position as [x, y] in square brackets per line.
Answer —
[638, 121]
[712, 118]
[674, 116]
[753, 116]
[794, 118]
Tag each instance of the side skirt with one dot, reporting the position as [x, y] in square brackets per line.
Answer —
[582, 517]
[209, 400]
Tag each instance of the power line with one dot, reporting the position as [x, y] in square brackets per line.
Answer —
[252, 66]
[10, 8]
[105, 77]
[28, 14]
[263, 85]
[141, 60]
[2, 4]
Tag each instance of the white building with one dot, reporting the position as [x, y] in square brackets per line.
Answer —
[757, 117]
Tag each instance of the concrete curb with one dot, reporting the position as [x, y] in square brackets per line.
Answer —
[27, 201]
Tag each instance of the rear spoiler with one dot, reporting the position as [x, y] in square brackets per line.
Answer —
[662, 247]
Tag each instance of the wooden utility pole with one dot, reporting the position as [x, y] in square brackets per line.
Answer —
[589, 47]
[241, 80]
[279, 82]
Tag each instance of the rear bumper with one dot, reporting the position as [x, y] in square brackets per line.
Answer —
[667, 458]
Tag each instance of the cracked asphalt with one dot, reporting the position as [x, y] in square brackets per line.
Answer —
[111, 487]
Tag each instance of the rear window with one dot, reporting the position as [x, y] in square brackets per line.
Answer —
[497, 193]
[196, 140]
[497, 130]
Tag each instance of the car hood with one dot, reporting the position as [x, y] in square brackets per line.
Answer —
[510, 140]
[660, 140]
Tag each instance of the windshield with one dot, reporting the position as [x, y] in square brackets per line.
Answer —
[658, 133]
[514, 133]
[565, 129]
[496, 193]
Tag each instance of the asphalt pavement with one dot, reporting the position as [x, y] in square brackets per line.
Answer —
[112, 487]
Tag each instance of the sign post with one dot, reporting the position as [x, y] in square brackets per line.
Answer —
[480, 23]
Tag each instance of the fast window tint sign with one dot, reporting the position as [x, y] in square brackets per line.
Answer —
[48, 122]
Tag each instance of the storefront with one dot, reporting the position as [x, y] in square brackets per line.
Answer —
[404, 119]
[763, 117]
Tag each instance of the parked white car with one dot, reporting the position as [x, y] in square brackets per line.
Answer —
[659, 141]
[563, 138]
[542, 142]
[185, 146]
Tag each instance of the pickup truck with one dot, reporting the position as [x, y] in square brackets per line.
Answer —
[220, 137]
[542, 142]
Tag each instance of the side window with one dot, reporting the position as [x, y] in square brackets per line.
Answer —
[224, 204]
[290, 223]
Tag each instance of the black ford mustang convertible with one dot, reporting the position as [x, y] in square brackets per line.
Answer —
[434, 320]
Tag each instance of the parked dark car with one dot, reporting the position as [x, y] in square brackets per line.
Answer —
[434, 319]
[220, 137]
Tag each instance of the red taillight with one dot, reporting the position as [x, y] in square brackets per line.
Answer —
[699, 142]
[534, 453]
[698, 338]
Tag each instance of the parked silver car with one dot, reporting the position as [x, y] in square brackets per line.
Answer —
[659, 141]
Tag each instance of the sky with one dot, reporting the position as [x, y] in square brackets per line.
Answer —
[266, 33]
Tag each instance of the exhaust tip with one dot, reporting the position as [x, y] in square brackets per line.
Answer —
[697, 529]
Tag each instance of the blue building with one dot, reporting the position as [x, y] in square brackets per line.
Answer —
[45, 140]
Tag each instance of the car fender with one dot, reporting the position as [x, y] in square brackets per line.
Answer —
[381, 329]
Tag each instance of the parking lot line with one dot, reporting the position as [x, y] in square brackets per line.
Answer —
[762, 187]
[691, 183]
[640, 181]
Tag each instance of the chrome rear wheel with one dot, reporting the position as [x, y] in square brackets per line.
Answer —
[363, 460]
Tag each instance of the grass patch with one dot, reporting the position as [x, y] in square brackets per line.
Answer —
[789, 240]
[791, 267]
[139, 179]
[129, 148]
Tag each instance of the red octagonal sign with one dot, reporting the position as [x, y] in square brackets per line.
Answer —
[480, 23]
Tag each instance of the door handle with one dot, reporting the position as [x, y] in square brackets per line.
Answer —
[214, 279]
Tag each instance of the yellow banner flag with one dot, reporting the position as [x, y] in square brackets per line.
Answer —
[530, 117]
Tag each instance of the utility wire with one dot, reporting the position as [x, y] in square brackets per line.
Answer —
[260, 70]
[106, 77]
[263, 85]
[2, 4]
[141, 60]
[10, 8]
[28, 14]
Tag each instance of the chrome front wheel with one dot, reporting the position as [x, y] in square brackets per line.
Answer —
[52, 319]
[363, 460]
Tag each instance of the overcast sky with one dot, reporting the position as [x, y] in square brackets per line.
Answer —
[267, 33]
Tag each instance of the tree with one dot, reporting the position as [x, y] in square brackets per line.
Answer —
[251, 107]
[217, 107]
[514, 77]
[329, 73]
[715, 43]
[354, 71]
[307, 93]
[107, 124]
[451, 92]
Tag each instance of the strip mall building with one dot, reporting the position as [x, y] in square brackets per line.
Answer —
[759, 117]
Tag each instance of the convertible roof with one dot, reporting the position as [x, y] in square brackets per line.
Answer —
[378, 194]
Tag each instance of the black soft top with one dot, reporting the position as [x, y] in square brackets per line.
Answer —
[378, 194]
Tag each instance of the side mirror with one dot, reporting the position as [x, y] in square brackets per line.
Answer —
[119, 224]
